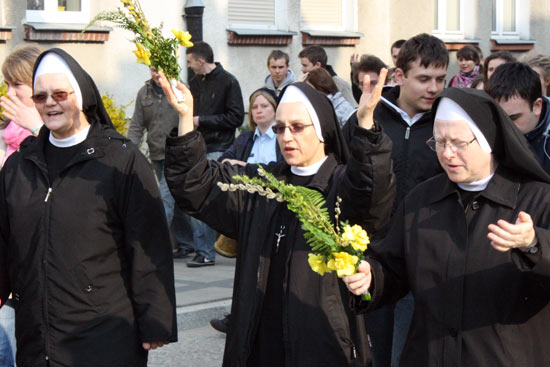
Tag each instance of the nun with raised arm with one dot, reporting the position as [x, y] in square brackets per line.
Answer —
[472, 244]
[84, 244]
[284, 314]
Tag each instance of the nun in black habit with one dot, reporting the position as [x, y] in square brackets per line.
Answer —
[84, 244]
[284, 314]
[472, 244]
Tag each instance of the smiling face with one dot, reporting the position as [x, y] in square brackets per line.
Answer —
[263, 113]
[465, 65]
[301, 149]
[307, 65]
[465, 165]
[419, 87]
[64, 118]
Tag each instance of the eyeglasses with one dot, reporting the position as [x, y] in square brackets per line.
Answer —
[294, 128]
[59, 96]
[456, 146]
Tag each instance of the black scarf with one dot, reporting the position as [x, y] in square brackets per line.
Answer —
[92, 105]
[330, 128]
[509, 146]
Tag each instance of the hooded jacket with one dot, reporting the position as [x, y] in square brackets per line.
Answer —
[87, 256]
[219, 104]
[289, 79]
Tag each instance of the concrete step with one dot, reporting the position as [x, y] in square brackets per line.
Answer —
[199, 315]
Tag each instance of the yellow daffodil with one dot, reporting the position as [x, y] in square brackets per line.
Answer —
[317, 264]
[142, 55]
[343, 263]
[356, 236]
[126, 2]
[183, 37]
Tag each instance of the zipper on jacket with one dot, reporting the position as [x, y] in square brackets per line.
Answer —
[353, 348]
[48, 194]
[407, 133]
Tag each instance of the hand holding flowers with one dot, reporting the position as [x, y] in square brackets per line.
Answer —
[337, 248]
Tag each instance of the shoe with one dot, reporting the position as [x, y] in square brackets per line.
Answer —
[199, 261]
[226, 246]
[222, 325]
[182, 252]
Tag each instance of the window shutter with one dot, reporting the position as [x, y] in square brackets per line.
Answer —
[321, 12]
[260, 12]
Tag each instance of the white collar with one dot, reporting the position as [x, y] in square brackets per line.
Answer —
[476, 185]
[73, 140]
[404, 115]
[309, 170]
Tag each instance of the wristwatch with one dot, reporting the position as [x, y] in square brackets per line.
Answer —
[533, 249]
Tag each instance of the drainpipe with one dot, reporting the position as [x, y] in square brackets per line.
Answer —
[193, 11]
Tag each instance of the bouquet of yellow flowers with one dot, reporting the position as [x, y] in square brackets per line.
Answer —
[338, 248]
[152, 48]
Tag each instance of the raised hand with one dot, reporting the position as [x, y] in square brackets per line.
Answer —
[369, 100]
[184, 109]
[25, 116]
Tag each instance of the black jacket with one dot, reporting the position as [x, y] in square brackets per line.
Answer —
[318, 324]
[474, 305]
[413, 161]
[241, 148]
[539, 137]
[87, 256]
[219, 104]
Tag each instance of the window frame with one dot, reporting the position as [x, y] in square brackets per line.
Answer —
[50, 14]
[349, 20]
[522, 21]
[441, 28]
[279, 22]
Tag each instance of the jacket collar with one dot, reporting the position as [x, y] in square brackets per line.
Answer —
[92, 147]
[502, 189]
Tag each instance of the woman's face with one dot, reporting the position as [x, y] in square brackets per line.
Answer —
[21, 90]
[468, 164]
[63, 118]
[303, 148]
[263, 113]
[466, 66]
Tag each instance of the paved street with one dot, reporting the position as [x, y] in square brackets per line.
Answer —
[200, 347]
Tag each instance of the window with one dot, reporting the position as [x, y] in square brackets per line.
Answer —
[256, 14]
[58, 11]
[510, 19]
[448, 18]
[328, 15]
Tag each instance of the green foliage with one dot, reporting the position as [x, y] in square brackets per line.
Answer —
[116, 113]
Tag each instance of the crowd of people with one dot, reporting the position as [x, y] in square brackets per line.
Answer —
[449, 176]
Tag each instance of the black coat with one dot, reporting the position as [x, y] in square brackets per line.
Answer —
[319, 326]
[218, 102]
[89, 260]
[474, 305]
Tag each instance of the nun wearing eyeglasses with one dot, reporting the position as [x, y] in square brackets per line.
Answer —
[284, 314]
[472, 244]
[84, 244]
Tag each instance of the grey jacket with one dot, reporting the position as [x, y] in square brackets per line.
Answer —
[154, 114]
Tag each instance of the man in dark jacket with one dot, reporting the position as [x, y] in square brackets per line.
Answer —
[217, 113]
[517, 88]
[473, 245]
[404, 113]
[154, 114]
